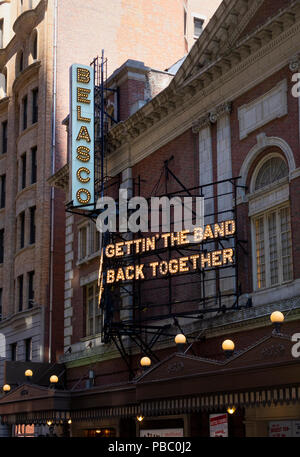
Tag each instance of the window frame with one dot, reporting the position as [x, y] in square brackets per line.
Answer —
[28, 349]
[23, 170]
[261, 163]
[30, 297]
[35, 105]
[22, 219]
[20, 283]
[4, 125]
[32, 225]
[2, 233]
[95, 315]
[195, 19]
[3, 191]
[33, 177]
[25, 112]
[265, 214]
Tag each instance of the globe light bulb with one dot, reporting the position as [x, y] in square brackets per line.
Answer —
[180, 339]
[53, 379]
[145, 362]
[277, 317]
[228, 345]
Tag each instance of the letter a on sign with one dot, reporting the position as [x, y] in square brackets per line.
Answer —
[82, 134]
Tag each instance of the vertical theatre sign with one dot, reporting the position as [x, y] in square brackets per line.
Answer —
[82, 134]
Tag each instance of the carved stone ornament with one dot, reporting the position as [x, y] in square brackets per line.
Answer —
[175, 367]
[294, 64]
[212, 117]
[274, 351]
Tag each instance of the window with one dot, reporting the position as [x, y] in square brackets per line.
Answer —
[1, 33]
[35, 94]
[26, 431]
[94, 324]
[1, 245]
[20, 292]
[4, 137]
[24, 108]
[94, 239]
[33, 165]
[2, 190]
[198, 27]
[32, 225]
[34, 47]
[82, 243]
[23, 171]
[22, 229]
[273, 247]
[13, 351]
[271, 171]
[30, 289]
[28, 349]
[20, 62]
[1, 304]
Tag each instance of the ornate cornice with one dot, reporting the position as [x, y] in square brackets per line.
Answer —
[184, 88]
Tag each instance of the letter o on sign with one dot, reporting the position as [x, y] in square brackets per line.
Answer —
[80, 199]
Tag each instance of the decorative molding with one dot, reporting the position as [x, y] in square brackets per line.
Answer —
[187, 95]
[266, 200]
[212, 117]
[264, 109]
[201, 123]
[263, 142]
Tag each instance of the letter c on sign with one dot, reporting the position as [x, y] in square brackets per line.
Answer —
[80, 178]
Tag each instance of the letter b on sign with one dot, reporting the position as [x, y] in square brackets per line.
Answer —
[83, 75]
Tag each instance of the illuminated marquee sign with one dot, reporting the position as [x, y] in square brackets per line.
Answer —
[186, 264]
[82, 134]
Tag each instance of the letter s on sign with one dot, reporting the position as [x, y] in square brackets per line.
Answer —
[296, 347]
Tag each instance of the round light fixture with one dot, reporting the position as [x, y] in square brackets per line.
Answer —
[277, 317]
[228, 345]
[53, 379]
[145, 362]
[180, 339]
[70, 421]
[6, 388]
[28, 373]
[140, 418]
[49, 423]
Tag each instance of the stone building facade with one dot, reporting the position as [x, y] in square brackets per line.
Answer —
[229, 112]
[39, 41]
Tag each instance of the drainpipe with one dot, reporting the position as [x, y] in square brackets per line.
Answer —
[53, 153]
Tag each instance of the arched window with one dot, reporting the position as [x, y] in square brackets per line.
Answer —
[271, 223]
[271, 171]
